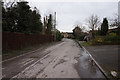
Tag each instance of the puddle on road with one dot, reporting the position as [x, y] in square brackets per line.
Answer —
[87, 68]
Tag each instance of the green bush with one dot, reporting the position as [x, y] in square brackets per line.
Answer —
[97, 40]
[112, 34]
[59, 36]
[81, 38]
[111, 38]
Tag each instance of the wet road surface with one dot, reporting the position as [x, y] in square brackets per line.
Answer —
[63, 60]
[106, 55]
[87, 68]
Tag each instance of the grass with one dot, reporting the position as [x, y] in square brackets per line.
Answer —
[85, 44]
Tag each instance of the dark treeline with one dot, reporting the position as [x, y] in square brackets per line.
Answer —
[21, 18]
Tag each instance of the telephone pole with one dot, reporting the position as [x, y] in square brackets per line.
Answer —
[119, 14]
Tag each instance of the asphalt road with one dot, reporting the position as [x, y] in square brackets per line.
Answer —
[63, 60]
[106, 56]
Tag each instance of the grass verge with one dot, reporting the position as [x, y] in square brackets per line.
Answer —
[85, 44]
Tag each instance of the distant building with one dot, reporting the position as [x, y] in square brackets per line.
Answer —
[77, 31]
[67, 34]
[114, 30]
[70, 35]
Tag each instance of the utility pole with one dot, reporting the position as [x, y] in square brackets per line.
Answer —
[55, 27]
[119, 14]
[118, 17]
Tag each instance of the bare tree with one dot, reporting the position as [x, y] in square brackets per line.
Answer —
[93, 22]
[10, 3]
[115, 21]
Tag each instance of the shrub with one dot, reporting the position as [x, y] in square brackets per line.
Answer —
[112, 38]
[98, 40]
[59, 36]
[112, 34]
[81, 38]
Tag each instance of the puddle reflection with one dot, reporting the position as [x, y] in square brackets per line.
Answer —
[87, 67]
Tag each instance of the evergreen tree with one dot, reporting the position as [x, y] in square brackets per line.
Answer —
[99, 31]
[58, 35]
[8, 19]
[20, 18]
[35, 23]
[23, 10]
[104, 27]
[49, 25]
[4, 22]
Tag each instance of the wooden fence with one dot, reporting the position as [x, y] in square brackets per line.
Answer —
[14, 41]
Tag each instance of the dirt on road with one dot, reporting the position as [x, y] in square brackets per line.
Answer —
[56, 61]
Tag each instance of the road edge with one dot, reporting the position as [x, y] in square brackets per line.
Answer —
[29, 52]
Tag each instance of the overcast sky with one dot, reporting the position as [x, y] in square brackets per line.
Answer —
[70, 13]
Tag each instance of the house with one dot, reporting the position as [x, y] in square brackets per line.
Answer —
[67, 34]
[114, 30]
